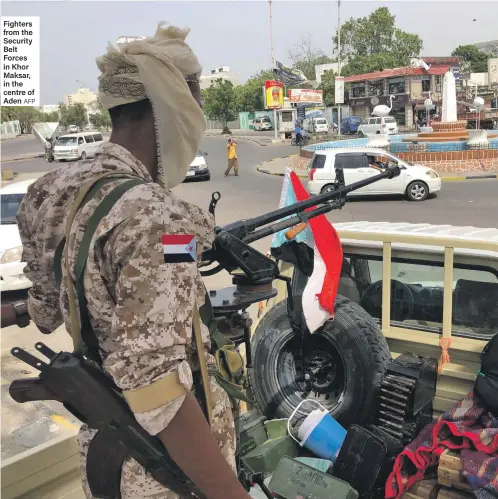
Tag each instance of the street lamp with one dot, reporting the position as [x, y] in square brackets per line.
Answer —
[339, 61]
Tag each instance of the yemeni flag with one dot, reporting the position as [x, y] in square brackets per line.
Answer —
[321, 290]
[179, 248]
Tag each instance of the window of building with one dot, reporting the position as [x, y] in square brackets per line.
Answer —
[426, 84]
[400, 115]
[397, 86]
[417, 295]
[359, 90]
[376, 88]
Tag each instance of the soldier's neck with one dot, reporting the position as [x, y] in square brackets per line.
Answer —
[141, 149]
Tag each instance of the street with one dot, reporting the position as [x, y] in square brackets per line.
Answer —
[252, 193]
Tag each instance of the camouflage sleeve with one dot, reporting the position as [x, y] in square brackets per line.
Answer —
[43, 296]
[152, 320]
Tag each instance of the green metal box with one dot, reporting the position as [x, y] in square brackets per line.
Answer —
[294, 479]
[265, 457]
[251, 431]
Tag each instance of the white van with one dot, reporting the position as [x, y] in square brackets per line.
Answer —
[316, 125]
[375, 125]
[77, 146]
[263, 123]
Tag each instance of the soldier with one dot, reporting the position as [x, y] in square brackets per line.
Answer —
[141, 281]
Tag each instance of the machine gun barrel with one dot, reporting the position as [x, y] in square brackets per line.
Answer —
[246, 229]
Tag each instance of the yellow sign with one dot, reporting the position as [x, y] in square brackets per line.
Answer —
[274, 94]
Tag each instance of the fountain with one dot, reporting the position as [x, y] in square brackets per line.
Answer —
[450, 128]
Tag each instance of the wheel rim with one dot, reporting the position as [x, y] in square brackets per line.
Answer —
[319, 376]
[328, 189]
[83, 156]
[417, 191]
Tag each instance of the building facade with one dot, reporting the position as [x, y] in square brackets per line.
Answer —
[222, 72]
[83, 96]
[50, 108]
[409, 88]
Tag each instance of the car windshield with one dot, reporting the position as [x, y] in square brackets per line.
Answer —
[355, 121]
[266, 120]
[321, 122]
[10, 206]
[66, 141]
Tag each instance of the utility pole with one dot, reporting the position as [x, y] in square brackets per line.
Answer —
[339, 61]
[275, 127]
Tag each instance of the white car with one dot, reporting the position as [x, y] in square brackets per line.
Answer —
[77, 146]
[263, 123]
[416, 182]
[11, 266]
[375, 125]
[316, 125]
[199, 168]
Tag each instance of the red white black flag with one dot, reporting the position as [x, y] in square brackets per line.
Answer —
[179, 248]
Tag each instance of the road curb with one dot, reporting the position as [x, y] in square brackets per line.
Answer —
[12, 159]
[493, 176]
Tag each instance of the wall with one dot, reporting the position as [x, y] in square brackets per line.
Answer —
[10, 130]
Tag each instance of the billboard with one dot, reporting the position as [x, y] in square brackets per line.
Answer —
[309, 96]
[493, 71]
[274, 94]
[339, 90]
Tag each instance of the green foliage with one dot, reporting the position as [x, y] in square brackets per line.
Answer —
[328, 87]
[52, 117]
[101, 119]
[374, 43]
[26, 115]
[220, 102]
[250, 96]
[475, 59]
[74, 114]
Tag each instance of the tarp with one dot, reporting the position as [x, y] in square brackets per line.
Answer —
[44, 131]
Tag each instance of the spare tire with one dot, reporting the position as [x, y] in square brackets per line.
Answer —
[346, 360]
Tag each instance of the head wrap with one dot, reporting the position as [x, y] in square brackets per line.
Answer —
[157, 69]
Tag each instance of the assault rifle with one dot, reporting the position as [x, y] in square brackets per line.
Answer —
[92, 397]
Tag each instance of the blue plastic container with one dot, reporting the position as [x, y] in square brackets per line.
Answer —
[323, 435]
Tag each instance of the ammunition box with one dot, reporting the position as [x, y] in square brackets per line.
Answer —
[265, 457]
[251, 431]
[293, 479]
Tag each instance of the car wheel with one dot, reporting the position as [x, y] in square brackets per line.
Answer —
[83, 156]
[352, 354]
[417, 191]
[327, 188]
[208, 177]
[361, 134]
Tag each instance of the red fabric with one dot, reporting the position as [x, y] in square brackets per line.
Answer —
[328, 244]
[467, 426]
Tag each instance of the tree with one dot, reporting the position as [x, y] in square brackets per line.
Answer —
[475, 59]
[328, 87]
[250, 95]
[305, 57]
[50, 117]
[101, 119]
[374, 43]
[220, 102]
[27, 115]
[8, 113]
[74, 114]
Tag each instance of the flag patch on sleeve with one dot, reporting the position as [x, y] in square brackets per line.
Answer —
[179, 248]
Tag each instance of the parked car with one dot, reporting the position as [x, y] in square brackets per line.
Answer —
[263, 123]
[350, 124]
[77, 146]
[73, 129]
[415, 181]
[11, 264]
[375, 125]
[199, 168]
[316, 125]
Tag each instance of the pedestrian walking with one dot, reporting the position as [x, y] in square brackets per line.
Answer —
[233, 161]
[140, 283]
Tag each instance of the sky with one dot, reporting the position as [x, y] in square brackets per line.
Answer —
[230, 33]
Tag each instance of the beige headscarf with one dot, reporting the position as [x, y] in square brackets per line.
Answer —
[156, 68]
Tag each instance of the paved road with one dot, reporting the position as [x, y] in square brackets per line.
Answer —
[251, 194]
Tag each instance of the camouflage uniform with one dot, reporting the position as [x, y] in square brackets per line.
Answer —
[139, 306]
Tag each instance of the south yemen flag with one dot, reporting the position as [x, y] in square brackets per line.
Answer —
[179, 248]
